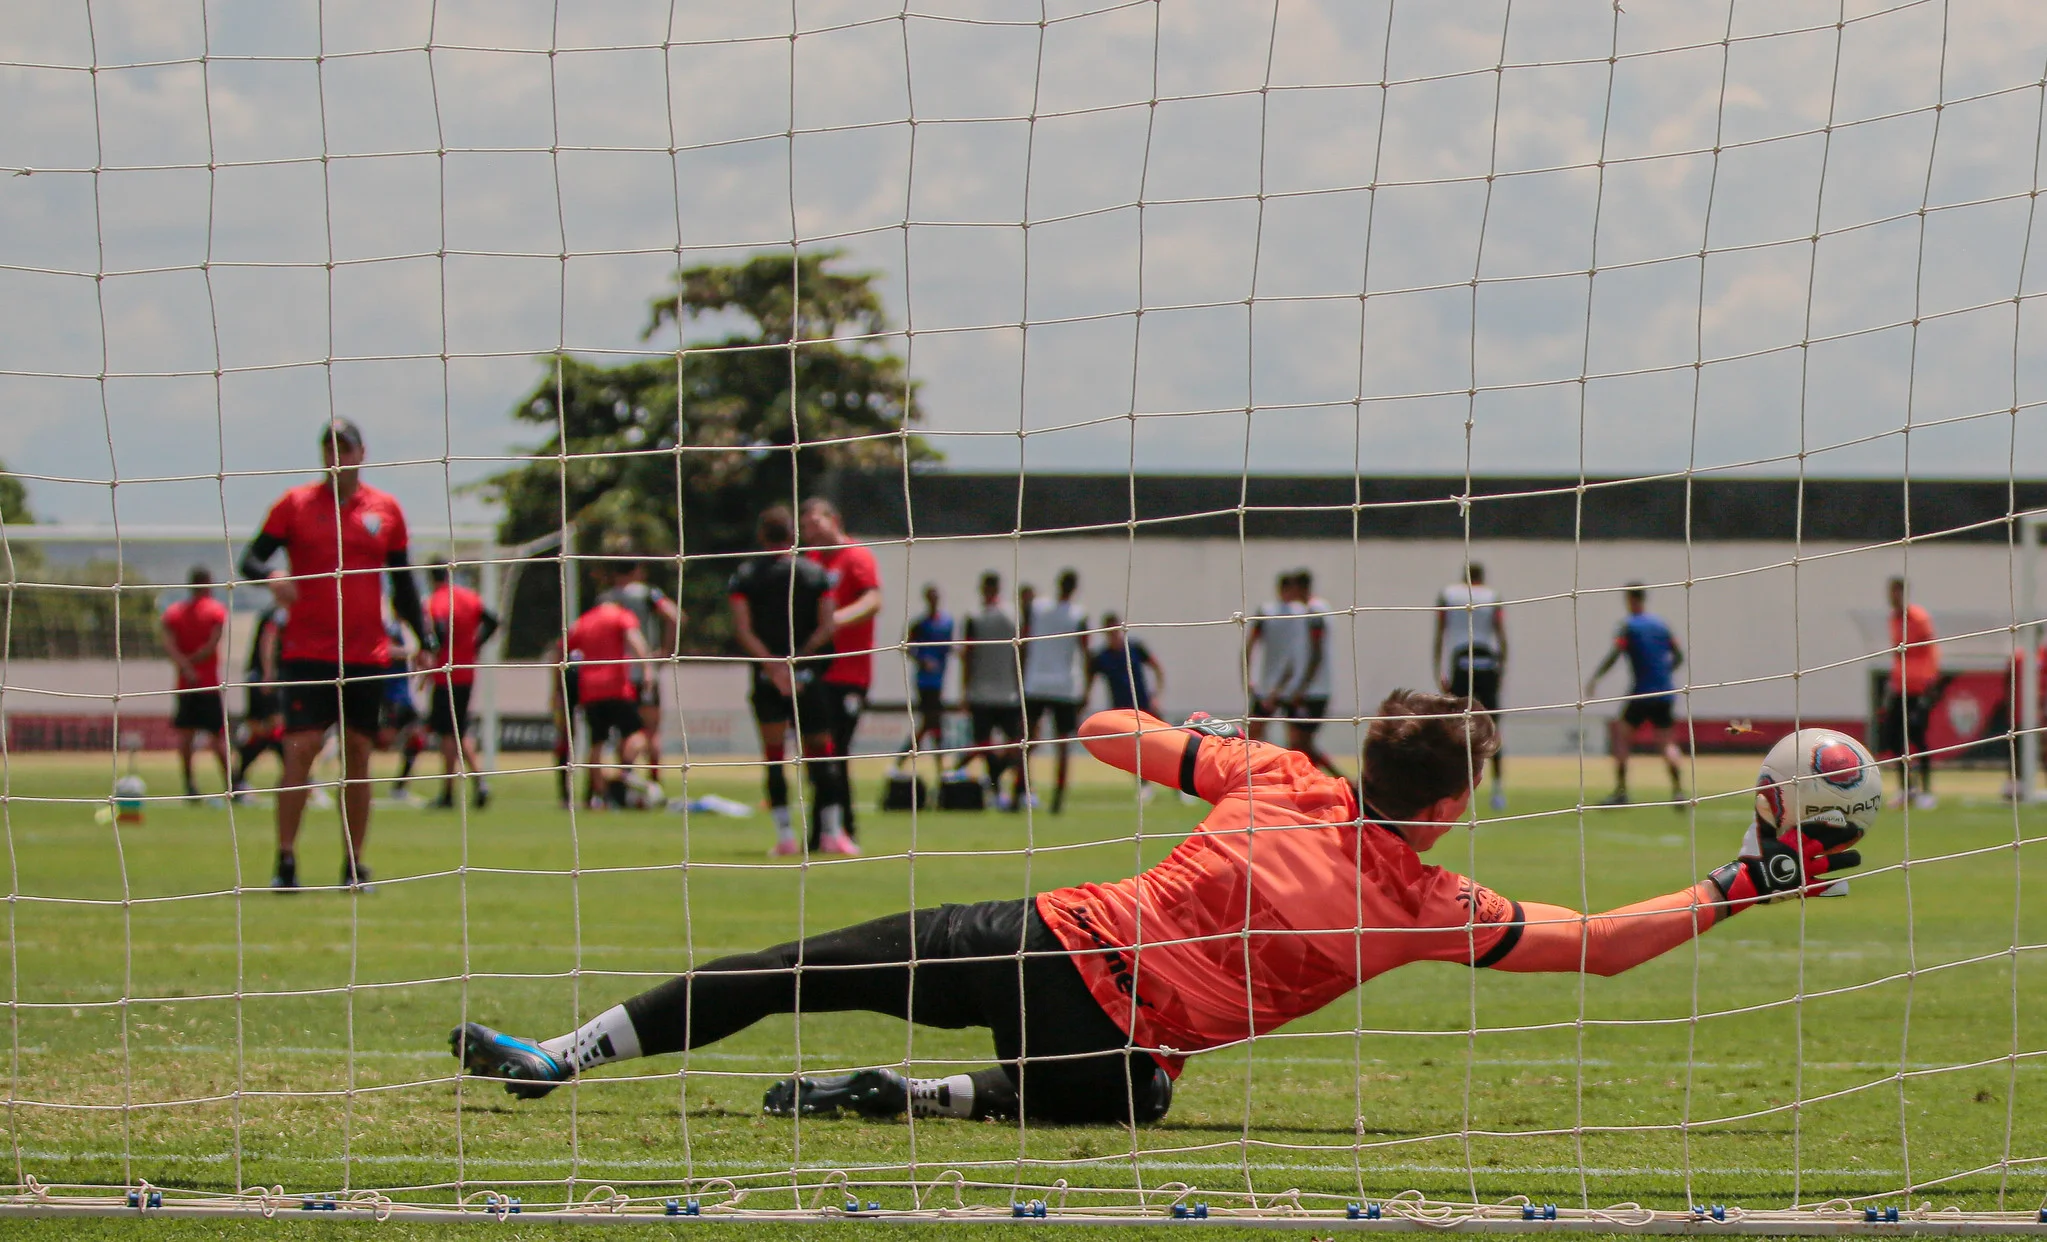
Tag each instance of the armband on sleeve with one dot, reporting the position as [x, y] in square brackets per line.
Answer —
[1199, 727]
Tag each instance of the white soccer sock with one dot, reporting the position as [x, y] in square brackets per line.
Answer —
[603, 1039]
[831, 820]
[782, 828]
[943, 1097]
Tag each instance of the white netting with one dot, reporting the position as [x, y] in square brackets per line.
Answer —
[1730, 301]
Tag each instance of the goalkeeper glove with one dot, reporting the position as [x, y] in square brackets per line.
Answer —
[1772, 867]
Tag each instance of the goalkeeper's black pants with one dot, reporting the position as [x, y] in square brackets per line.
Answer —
[1060, 1053]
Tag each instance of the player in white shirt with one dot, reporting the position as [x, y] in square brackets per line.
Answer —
[1471, 629]
[1055, 655]
[1277, 641]
[1310, 702]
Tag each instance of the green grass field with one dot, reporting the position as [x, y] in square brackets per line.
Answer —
[166, 1026]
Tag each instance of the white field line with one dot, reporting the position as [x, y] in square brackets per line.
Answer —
[701, 1168]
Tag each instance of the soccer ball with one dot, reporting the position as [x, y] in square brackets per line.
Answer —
[1818, 770]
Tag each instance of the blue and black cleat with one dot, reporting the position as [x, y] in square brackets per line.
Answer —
[871, 1093]
[525, 1068]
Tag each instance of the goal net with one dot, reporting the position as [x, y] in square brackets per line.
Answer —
[1283, 351]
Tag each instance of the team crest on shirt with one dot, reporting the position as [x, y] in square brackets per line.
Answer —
[373, 522]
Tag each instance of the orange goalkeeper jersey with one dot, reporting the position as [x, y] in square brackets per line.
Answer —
[1280, 902]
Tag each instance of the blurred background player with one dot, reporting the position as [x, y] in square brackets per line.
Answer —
[263, 715]
[563, 701]
[1275, 644]
[1653, 660]
[1127, 669]
[782, 618]
[192, 630]
[856, 597]
[1055, 655]
[661, 625]
[339, 536]
[402, 729]
[463, 625]
[1310, 703]
[602, 644]
[1472, 627]
[992, 685]
[929, 642]
[1909, 697]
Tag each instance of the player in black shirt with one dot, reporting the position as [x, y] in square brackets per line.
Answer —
[782, 617]
[263, 723]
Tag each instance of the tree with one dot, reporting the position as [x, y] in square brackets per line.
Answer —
[69, 613]
[680, 454]
[13, 499]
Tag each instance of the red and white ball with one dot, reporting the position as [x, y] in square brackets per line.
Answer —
[1814, 771]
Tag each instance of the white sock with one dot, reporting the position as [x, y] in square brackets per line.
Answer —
[782, 828]
[603, 1039]
[831, 820]
[943, 1097]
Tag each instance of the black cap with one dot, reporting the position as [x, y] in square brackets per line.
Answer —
[342, 432]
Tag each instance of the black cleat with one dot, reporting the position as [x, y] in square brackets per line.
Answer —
[1153, 1099]
[525, 1068]
[286, 877]
[355, 877]
[871, 1093]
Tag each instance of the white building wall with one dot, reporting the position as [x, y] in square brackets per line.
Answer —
[1770, 631]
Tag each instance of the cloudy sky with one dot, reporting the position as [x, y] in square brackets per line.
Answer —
[1180, 236]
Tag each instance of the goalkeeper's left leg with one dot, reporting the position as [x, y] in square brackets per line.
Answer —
[951, 967]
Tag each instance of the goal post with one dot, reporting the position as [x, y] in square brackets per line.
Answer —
[2028, 638]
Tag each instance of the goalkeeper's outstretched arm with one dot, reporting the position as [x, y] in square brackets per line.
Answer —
[1561, 940]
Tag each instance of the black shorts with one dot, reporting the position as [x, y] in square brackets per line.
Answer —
[1071, 1062]
[1654, 711]
[845, 702]
[928, 713]
[1901, 725]
[200, 710]
[1064, 712]
[321, 694]
[1308, 713]
[261, 703]
[448, 714]
[400, 713]
[1008, 719]
[771, 706]
[607, 719]
[1480, 685]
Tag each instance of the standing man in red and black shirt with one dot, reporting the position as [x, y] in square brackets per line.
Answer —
[341, 539]
[193, 629]
[856, 596]
[463, 625]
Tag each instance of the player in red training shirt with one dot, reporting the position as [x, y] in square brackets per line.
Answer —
[1297, 887]
[856, 598]
[342, 540]
[193, 629]
[463, 625]
[605, 647]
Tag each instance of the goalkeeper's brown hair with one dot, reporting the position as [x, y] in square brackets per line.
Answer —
[1423, 747]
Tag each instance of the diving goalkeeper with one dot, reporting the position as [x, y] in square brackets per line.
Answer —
[1297, 887]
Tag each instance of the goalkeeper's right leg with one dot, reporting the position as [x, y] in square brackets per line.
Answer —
[950, 967]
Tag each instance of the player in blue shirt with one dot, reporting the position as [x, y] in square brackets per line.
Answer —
[1653, 659]
[1126, 667]
[929, 640]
